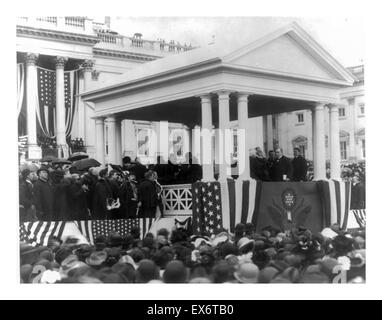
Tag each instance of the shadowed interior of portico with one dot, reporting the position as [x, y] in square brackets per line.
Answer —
[188, 111]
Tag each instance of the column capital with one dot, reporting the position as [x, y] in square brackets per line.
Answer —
[205, 98]
[223, 94]
[319, 105]
[99, 120]
[60, 62]
[111, 118]
[31, 59]
[88, 65]
[242, 96]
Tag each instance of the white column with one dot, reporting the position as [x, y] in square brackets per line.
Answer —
[34, 151]
[309, 135]
[207, 162]
[60, 106]
[86, 72]
[319, 142]
[224, 124]
[100, 140]
[353, 155]
[269, 133]
[111, 138]
[118, 141]
[196, 152]
[335, 153]
[88, 68]
[243, 159]
[130, 143]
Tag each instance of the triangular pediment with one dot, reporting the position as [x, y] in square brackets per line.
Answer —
[290, 52]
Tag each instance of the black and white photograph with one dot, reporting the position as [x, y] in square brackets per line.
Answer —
[184, 149]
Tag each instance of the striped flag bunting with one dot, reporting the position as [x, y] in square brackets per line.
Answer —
[336, 202]
[357, 218]
[220, 206]
[39, 233]
[90, 229]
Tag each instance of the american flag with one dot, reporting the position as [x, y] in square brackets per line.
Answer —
[39, 233]
[47, 99]
[90, 229]
[206, 208]
[218, 206]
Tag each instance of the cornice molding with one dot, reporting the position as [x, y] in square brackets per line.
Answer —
[56, 35]
[124, 55]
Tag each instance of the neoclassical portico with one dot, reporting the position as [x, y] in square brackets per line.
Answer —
[56, 64]
[214, 87]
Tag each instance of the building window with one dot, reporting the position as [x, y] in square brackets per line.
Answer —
[341, 112]
[300, 118]
[343, 146]
[363, 149]
[361, 108]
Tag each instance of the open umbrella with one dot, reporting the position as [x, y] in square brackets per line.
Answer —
[78, 156]
[61, 161]
[49, 159]
[85, 164]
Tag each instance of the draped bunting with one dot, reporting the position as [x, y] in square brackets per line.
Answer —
[20, 86]
[46, 97]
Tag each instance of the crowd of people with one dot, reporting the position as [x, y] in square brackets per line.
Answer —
[61, 192]
[269, 256]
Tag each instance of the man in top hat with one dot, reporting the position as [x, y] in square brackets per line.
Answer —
[44, 197]
[147, 196]
[258, 165]
[26, 196]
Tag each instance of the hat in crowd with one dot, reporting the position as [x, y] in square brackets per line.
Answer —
[245, 243]
[115, 240]
[175, 272]
[198, 241]
[314, 277]
[25, 272]
[200, 280]
[228, 248]
[313, 268]
[62, 253]
[71, 263]
[279, 265]
[126, 259]
[43, 168]
[247, 273]
[220, 238]
[148, 242]
[103, 173]
[222, 272]
[25, 173]
[162, 240]
[97, 258]
[293, 260]
[146, 271]
[292, 274]
[47, 255]
[83, 252]
[126, 270]
[267, 274]
[327, 265]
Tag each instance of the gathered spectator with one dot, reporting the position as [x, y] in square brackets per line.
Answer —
[300, 166]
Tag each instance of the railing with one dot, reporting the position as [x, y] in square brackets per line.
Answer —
[78, 22]
[52, 20]
[177, 200]
[110, 38]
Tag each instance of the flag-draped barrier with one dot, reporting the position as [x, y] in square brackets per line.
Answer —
[219, 206]
[40, 232]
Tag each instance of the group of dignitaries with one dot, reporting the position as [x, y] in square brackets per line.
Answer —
[278, 167]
